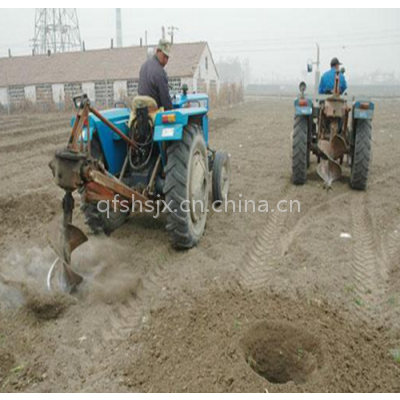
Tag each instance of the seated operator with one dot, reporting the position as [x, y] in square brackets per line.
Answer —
[327, 83]
[153, 80]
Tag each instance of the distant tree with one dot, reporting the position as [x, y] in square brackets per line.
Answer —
[230, 70]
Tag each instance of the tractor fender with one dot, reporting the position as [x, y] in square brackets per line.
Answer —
[363, 110]
[303, 106]
[169, 125]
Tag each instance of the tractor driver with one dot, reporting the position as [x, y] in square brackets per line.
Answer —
[153, 80]
[327, 83]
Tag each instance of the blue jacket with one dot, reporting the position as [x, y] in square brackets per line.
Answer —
[327, 83]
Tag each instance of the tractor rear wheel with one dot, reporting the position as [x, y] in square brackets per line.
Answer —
[361, 155]
[186, 188]
[97, 221]
[300, 151]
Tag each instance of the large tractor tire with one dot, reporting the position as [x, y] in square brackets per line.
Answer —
[97, 221]
[360, 159]
[186, 181]
[300, 151]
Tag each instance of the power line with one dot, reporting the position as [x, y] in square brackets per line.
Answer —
[332, 41]
[327, 37]
[283, 49]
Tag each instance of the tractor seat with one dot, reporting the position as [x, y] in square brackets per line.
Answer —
[142, 102]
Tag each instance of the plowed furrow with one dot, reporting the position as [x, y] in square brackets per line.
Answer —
[32, 142]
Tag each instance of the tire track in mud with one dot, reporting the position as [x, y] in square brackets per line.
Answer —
[274, 241]
[123, 320]
[391, 308]
[393, 243]
[368, 265]
[260, 261]
[131, 314]
[312, 216]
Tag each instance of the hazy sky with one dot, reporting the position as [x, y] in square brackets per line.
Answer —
[277, 42]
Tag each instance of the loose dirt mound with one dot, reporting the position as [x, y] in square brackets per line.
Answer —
[216, 341]
[47, 306]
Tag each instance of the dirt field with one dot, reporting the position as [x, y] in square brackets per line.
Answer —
[267, 302]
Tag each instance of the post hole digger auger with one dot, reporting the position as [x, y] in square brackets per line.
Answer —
[142, 156]
[331, 129]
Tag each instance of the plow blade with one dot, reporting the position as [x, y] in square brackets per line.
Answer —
[70, 238]
[333, 149]
[329, 170]
[76, 237]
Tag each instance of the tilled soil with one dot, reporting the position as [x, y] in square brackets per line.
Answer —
[267, 301]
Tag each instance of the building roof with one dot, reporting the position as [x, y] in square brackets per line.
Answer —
[88, 66]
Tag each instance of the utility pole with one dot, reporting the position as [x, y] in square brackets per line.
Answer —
[145, 38]
[8, 95]
[163, 32]
[119, 27]
[171, 30]
[317, 73]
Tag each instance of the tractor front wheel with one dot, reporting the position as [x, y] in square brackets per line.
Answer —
[186, 188]
[221, 176]
[361, 155]
[300, 151]
[98, 222]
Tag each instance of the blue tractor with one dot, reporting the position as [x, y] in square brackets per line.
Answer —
[329, 128]
[142, 158]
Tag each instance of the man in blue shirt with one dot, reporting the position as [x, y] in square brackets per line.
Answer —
[327, 83]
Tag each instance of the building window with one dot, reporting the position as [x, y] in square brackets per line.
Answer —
[207, 63]
[175, 84]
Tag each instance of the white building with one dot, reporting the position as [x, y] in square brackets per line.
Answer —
[106, 76]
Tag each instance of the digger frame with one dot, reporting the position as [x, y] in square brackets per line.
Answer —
[181, 135]
[73, 168]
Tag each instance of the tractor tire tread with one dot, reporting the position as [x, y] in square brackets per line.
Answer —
[175, 189]
[299, 154]
[362, 155]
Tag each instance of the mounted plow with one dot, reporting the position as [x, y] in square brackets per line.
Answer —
[331, 129]
[332, 136]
